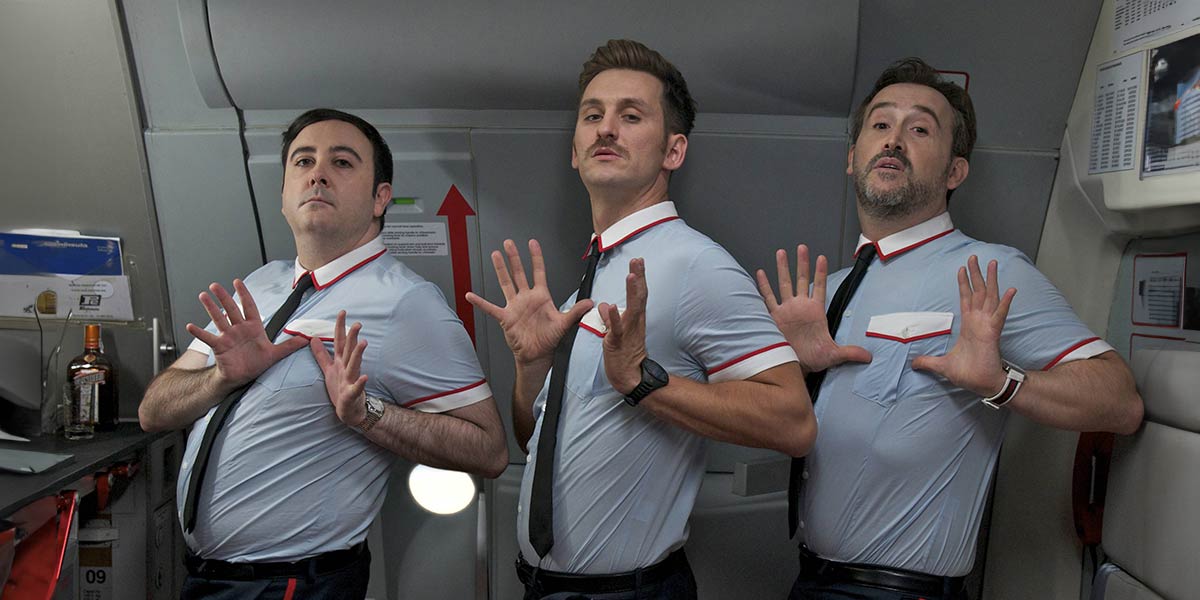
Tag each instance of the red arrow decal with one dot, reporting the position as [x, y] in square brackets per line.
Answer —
[456, 210]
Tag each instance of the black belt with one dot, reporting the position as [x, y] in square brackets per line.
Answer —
[249, 571]
[551, 582]
[880, 577]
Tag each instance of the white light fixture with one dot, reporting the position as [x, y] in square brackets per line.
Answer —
[439, 491]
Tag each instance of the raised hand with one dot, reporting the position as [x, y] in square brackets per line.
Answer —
[240, 346]
[343, 378]
[800, 313]
[625, 342]
[531, 321]
[974, 362]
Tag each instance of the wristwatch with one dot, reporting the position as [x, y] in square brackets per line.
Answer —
[1014, 377]
[375, 408]
[653, 378]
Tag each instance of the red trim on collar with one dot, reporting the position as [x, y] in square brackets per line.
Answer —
[725, 365]
[604, 248]
[1068, 351]
[435, 396]
[910, 246]
[344, 273]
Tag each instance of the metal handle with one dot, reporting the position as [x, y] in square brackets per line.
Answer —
[158, 347]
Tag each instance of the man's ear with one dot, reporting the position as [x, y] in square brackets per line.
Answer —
[383, 195]
[850, 161]
[959, 167]
[676, 151]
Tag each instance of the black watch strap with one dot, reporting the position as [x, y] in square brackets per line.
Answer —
[653, 377]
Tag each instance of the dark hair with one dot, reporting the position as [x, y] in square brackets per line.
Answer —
[915, 70]
[678, 106]
[382, 154]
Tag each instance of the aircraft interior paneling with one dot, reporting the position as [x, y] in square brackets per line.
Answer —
[159, 122]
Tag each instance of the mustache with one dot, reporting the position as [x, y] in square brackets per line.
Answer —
[896, 154]
[604, 143]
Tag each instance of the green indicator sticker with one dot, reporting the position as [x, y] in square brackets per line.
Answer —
[408, 201]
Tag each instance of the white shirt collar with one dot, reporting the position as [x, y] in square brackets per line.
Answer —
[903, 241]
[636, 223]
[342, 265]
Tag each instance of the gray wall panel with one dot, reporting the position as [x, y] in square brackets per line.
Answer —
[1024, 57]
[208, 231]
[169, 92]
[759, 57]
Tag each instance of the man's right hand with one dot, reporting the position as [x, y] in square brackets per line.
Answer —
[240, 346]
[531, 321]
[800, 313]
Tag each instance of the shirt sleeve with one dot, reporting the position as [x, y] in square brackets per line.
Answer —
[432, 366]
[723, 322]
[1042, 330]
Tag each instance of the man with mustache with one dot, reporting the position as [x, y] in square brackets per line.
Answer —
[924, 368]
[674, 346]
[281, 479]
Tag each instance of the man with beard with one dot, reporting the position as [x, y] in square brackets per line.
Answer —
[674, 347]
[288, 459]
[923, 368]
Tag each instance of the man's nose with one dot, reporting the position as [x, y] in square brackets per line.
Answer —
[317, 177]
[608, 126]
[892, 141]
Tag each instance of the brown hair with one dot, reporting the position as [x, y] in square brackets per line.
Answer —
[678, 106]
[915, 70]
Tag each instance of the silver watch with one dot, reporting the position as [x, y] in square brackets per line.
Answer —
[375, 408]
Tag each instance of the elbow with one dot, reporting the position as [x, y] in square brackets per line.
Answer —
[146, 419]
[1131, 416]
[802, 438]
[497, 460]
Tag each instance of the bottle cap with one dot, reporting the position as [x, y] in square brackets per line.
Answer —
[91, 336]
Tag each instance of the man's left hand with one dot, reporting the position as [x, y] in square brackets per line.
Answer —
[343, 380]
[625, 342]
[974, 362]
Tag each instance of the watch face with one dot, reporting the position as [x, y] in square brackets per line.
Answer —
[374, 405]
[655, 371]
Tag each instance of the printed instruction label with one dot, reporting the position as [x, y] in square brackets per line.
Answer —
[416, 239]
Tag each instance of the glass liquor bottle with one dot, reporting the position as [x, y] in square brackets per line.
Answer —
[93, 393]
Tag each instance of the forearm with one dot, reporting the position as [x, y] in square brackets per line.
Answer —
[771, 410]
[1096, 394]
[526, 386]
[179, 396]
[442, 441]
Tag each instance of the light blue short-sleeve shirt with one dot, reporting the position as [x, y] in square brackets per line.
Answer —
[903, 461]
[287, 480]
[624, 480]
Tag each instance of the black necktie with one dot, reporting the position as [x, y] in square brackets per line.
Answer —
[541, 499]
[841, 299]
[218, 419]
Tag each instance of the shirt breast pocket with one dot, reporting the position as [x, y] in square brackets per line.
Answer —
[298, 369]
[893, 341]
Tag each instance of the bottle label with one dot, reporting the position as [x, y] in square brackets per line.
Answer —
[87, 382]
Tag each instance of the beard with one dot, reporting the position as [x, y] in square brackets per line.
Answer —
[898, 202]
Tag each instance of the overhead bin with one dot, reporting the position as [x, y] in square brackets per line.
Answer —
[774, 58]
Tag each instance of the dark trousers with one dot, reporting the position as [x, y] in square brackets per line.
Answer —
[346, 582]
[669, 580]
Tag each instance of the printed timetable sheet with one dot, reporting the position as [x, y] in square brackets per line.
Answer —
[1114, 115]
